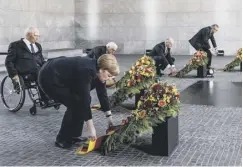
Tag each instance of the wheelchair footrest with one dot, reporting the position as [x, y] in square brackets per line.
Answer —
[50, 105]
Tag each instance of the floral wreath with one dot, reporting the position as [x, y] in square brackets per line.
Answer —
[199, 59]
[161, 100]
[140, 76]
[235, 62]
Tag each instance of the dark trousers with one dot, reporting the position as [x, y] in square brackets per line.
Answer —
[72, 123]
[162, 64]
[33, 77]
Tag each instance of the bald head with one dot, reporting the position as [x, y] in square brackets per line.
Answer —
[32, 34]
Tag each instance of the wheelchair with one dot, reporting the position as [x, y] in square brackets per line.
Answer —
[15, 92]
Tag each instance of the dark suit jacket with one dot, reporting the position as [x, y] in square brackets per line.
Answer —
[158, 54]
[20, 60]
[96, 52]
[78, 74]
[201, 39]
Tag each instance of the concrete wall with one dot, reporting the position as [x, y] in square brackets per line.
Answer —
[136, 25]
[54, 18]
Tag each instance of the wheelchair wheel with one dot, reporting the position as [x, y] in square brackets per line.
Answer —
[13, 93]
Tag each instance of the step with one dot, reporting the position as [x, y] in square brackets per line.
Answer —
[67, 53]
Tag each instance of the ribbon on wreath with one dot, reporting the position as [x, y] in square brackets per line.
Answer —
[89, 146]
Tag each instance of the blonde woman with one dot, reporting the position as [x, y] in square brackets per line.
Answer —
[69, 81]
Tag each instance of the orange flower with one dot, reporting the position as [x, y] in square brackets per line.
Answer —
[161, 103]
[148, 70]
[142, 114]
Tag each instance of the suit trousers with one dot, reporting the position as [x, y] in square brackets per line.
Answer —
[72, 123]
[162, 64]
[33, 77]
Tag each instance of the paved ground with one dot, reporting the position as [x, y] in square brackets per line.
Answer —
[208, 135]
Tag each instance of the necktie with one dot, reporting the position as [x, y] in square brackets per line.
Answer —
[32, 48]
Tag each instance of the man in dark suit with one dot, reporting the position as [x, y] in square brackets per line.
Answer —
[161, 53]
[98, 51]
[69, 80]
[25, 58]
[200, 41]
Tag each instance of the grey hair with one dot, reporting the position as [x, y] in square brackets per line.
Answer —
[112, 45]
[171, 40]
[29, 30]
[215, 26]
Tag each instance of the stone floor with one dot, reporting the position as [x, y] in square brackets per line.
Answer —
[208, 135]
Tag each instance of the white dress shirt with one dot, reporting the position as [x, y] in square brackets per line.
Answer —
[28, 45]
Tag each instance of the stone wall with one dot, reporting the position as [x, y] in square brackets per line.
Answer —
[54, 18]
[136, 25]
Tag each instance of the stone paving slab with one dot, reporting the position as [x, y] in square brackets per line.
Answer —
[208, 135]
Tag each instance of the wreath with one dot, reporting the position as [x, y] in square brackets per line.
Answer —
[235, 62]
[140, 76]
[159, 101]
[199, 59]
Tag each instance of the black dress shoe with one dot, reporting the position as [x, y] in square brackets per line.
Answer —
[77, 140]
[63, 144]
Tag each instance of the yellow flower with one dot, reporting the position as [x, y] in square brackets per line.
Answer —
[168, 100]
[143, 61]
[239, 57]
[130, 71]
[152, 98]
[139, 104]
[166, 90]
[174, 90]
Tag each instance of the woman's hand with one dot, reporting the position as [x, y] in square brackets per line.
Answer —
[91, 130]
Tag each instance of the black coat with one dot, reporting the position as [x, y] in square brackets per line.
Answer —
[201, 39]
[158, 54]
[77, 74]
[96, 52]
[20, 60]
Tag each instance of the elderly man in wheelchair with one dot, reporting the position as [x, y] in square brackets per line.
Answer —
[23, 62]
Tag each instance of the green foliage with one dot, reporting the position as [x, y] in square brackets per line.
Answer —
[146, 116]
[229, 67]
